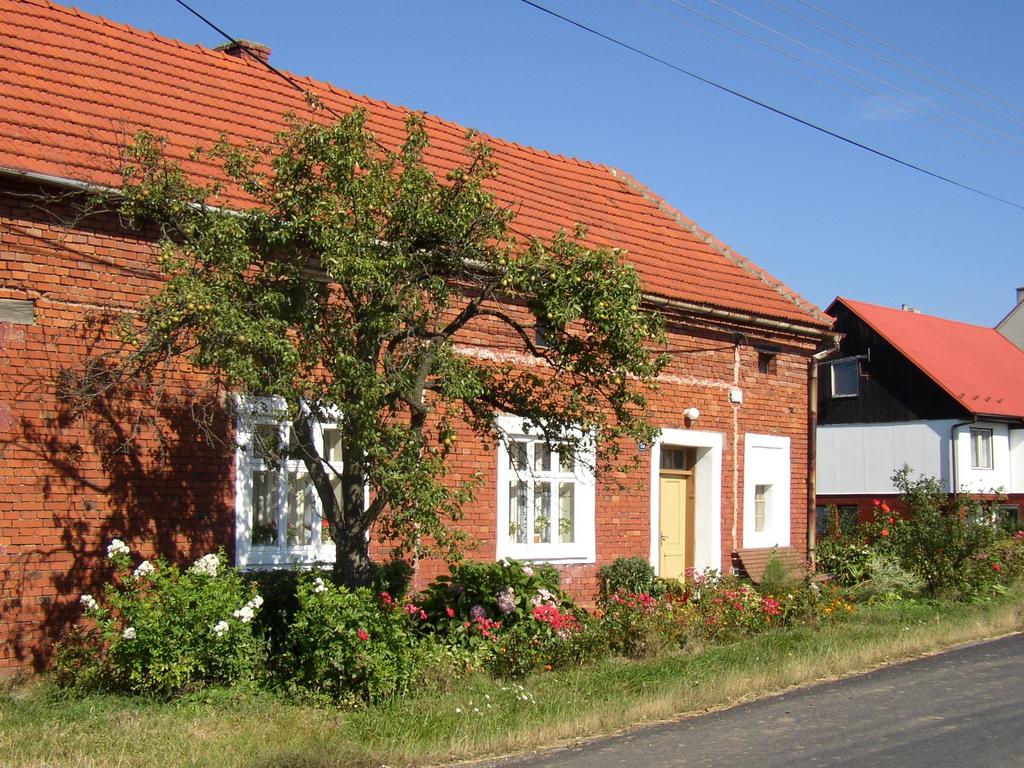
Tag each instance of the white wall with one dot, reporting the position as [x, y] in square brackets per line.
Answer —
[861, 458]
[983, 480]
[766, 461]
[1016, 461]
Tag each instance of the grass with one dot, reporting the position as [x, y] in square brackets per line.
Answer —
[253, 729]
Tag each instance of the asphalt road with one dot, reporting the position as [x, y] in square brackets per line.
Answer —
[961, 708]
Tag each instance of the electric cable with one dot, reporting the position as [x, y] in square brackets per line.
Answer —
[770, 108]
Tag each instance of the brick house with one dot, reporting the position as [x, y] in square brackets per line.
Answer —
[74, 87]
[905, 388]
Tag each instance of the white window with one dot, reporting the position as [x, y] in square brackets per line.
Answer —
[766, 491]
[277, 511]
[545, 499]
[844, 376]
[981, 448]
[762, 507]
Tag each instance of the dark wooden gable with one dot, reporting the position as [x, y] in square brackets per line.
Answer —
[891, 388]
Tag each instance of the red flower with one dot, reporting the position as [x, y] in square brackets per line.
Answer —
[892, 520]
[885, 507]
[423, 615]
[363, 635]
[387, 599]
[885, 531]
[997, 567]
[877, 503]
[451, 612]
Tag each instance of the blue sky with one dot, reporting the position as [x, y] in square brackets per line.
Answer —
[822, 216]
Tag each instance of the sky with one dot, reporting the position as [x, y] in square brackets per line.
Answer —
[935, 83]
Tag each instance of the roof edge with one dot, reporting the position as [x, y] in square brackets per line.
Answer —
[709, 239]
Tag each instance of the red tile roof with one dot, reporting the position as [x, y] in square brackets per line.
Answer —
[978, 366]
[74, 87]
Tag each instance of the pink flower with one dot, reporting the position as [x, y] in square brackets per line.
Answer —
[363, 635]
[450, 611]
[423, 615]
[387, 599]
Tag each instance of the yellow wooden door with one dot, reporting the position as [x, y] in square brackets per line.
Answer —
[672, 523]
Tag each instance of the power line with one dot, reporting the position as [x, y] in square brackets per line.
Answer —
[854, 83]
[770, 108]
[283, 75]
[910, 56]
[895, 64]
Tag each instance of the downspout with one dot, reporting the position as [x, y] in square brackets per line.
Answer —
[812, 450]
[953, 459]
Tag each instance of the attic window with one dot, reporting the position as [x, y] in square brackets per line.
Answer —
[845, 378]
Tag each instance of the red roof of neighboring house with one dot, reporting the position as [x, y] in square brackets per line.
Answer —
[978, 366]
[74, 88]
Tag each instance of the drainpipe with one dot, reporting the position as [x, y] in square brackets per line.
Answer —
[812, 449]
[953, 461]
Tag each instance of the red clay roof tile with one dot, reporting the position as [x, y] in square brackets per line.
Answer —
[75, 87]
[978, 366]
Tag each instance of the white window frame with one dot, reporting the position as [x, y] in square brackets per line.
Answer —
[254, 412]
[980, 436]
[766, 462]
[583, 547]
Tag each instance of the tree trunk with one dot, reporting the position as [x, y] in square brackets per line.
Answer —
[352, 566]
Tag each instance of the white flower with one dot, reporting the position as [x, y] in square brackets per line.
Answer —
[88, 601]
[256, 602]
[220, 628]
[458, 710]
[527, 570]
[244, 614]
[318, 585]
[117, 547]
[542, 596]
[145, 568]
[129, 633]
[206, 564]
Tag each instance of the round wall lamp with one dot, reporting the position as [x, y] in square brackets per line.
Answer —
[691, 414]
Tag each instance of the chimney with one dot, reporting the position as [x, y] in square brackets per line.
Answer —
[1020, 296]
[244, 49]
[908, 308]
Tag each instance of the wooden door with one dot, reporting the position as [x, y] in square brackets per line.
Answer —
[676, 512]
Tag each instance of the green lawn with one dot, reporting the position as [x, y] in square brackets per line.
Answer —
[478, 717]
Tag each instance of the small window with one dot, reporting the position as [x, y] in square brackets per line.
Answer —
[981, 448]
[766, 362]
[679, 459]
[829, 520]
[1008, 518]
[845, 378]
[762, 507]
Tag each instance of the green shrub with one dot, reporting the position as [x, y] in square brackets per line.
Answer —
[550, 638]
[161, 631]
[348, 646]
[887, 580]
[642, 626]
[632, 575]
[480, 598]
[938, 538]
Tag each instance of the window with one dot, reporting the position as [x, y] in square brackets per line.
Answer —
[766, 362]
[277, 510]
[1008, 518]
[545, 499]
[762, 506]
[981, 448]
[845, 377]
[830, 520]
[766, 491]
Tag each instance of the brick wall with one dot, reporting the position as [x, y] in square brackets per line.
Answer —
[142, 469]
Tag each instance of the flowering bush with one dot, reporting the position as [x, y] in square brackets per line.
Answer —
[640, 625]
[938, 538]
[502, 593]
[161, 631]
[551, 638]
[348, 646]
